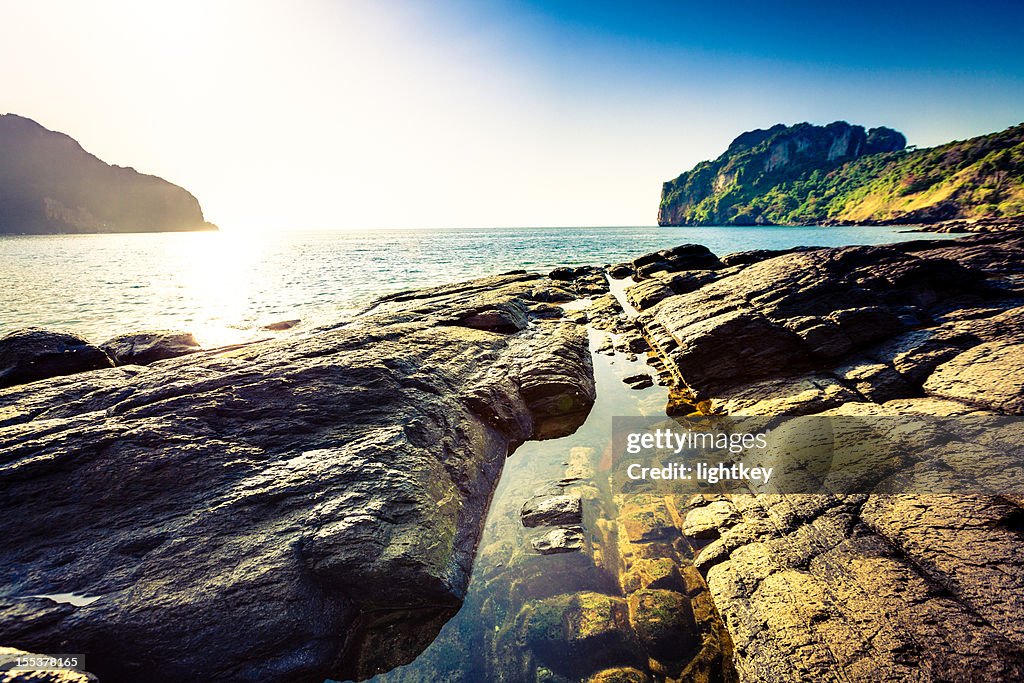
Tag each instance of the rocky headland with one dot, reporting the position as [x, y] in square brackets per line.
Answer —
[49, 184]
[843, 174]
[311, 506]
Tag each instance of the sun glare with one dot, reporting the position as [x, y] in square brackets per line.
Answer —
[221, 276]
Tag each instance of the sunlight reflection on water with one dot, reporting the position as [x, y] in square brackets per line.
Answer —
[224, 287]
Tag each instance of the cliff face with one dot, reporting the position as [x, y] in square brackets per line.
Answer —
[49, 184]
[720, 192]
[981, 177]
[839, 173]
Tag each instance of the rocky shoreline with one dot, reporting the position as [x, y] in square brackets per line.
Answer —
[307, 507]
[286, 510]
[953, 225]
[853, 587]
[975, 225]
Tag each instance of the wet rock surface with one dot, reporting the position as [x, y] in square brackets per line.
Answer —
[639, 381]
[143, 348]
[726, 587]
[683, 257]
[582, 281]
[559, 540]
[585, 627]
[281, 325]
[671, 610]
[619, 675]
[302, 507]
[653, 289]
[553, 510]
[866, 587]
[573, 616]
[663, 620]
[33, 354]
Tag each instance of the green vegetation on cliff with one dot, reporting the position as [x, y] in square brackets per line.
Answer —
[839, 173]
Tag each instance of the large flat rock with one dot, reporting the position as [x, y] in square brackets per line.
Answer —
[284, 511]
[990, 375]
[810, 310]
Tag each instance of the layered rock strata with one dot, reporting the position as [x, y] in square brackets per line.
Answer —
[866, 587]
[283, 511]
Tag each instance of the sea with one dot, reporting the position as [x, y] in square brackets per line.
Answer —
[224, 287]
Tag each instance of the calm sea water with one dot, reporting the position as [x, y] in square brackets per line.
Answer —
[224, 286]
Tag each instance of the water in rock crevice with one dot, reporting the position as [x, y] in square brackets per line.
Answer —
[490, 638]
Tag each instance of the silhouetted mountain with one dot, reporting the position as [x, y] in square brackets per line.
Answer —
[49, 184]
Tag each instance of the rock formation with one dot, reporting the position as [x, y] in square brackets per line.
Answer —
[610, 596]
[311, 506]
[863, 587]
[32, 354]
[143, 348]
[283, 511]
[808, 175]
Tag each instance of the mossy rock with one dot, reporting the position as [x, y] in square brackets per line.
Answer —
[646, 523]
[620, 675]
[659, 572]
[664, 622]
[574, 634]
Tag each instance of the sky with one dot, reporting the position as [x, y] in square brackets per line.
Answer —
[358, 114]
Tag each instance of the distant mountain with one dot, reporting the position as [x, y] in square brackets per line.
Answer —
[839, 173]
[49, 184]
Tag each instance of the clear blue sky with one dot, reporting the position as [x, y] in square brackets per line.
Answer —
[412, 113]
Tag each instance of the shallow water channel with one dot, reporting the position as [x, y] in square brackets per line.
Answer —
[484, 640]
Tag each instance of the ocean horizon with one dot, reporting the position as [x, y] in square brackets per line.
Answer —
[225, 286]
